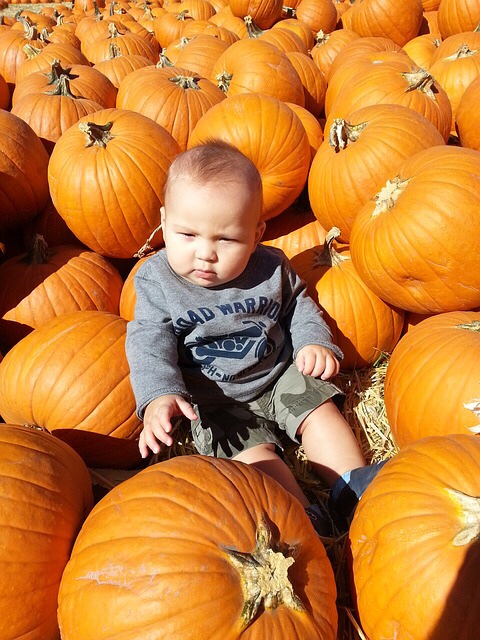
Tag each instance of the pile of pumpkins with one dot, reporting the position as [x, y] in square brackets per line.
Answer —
[362, 118]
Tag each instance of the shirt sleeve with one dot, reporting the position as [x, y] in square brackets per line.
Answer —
[303, 316]
[151, 347]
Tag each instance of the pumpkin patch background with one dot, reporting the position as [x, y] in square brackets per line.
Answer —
[363, 120]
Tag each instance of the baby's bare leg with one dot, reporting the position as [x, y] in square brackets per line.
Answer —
[264, 457]
[329, 443]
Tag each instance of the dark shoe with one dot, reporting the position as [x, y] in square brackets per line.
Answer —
[347, 491]
[321, 520]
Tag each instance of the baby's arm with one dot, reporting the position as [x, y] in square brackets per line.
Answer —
[317, 361]
[156, 421]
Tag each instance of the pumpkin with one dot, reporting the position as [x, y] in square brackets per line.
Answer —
[116, 66]
[300, 28]
[46, 495]
[422, 48]
[83, 81]
[42, 59]
[319, 15]
[358, 155]
[328, 45]
[268, 132]
[414, 542]
[200, 54]
[358, 47]
[467, 123]
[207, 28]
[312, 127]
[255, 66]
[50, 113]
[169, 27]
[106, 177]
[23, 166]
[314, 83]
[455, 65]
[336, 287]
[386, 18]
[45, 283]
[173, 97]
[443, 395]
[128, 43]
[71, 376]
[294, 231]
[411, 245]
[264, 13]
[225, 18]
[218, 551]
[458, 16]
[392, 82]
[12, 54]
[128, 296]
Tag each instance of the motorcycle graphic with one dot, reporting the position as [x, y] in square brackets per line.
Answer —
[235, 345]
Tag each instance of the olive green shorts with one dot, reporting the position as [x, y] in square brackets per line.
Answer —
[225, 430]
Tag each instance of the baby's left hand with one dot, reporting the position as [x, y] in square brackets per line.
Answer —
[317, 361]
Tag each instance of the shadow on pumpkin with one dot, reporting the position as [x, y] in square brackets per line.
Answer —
[460, 618]
[100, 451]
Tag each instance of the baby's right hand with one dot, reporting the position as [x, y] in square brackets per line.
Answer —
[156, 421]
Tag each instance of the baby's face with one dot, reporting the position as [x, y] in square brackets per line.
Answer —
[210, 232]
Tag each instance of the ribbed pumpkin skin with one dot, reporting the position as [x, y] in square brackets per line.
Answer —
[268, 132]
[110, 196]
[467, 121]
[342, 180]
[387, 18]
[411, 580]
[362, 324]
[421, 254]
[175, 98]
[150, 561]
[438, 398]
[46, 495]
[23, 166]
[458, 16]
[257, 66]
[71, 377]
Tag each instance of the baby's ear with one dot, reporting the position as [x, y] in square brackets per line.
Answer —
[260, 231]
[162, 216]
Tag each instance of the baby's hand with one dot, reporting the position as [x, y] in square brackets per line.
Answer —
[317, 361]
[156, 421]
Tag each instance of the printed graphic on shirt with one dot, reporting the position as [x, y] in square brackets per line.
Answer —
[234, 345]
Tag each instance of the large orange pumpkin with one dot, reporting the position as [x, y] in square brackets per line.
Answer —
[362, 325]
[198, 548]
[385, 18]
[414, 541]
[71, 377]
[443, 394]
[416, 243]
[23, 167]
[359, 153]
[457, 16]
[268, 132]
[106, 177]
[46, 495]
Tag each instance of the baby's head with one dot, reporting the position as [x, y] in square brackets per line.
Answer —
[212, 214]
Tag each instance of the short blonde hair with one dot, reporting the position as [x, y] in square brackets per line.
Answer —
[215, 161]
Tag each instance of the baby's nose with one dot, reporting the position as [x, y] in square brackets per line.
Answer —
[206, 250]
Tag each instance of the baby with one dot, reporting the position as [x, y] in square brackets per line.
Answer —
[225, 335]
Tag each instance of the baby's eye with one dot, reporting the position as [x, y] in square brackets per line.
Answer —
[186, 235]
[227, 240]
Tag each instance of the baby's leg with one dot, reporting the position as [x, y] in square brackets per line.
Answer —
[329, 443]
[264, 457]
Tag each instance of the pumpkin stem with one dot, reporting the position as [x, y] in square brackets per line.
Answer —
[164, 60]
[223, 80]
[469, 507]
[113, 31]
[387, 197]
[186, 82]
[252, 30]
[38, 252]
[322, 37]
[343, 132]
[114, 51]
[30, 27]
[421, 80]
[328, 256]
[56, 71]
[30, 51]
[289, 11]
[147, 247]
[462, 52]
[474, 406]
[61, 87]
[470, 326]
[97, 134]
[264, 576]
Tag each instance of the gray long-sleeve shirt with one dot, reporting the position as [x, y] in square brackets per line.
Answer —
[212, 345]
